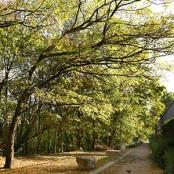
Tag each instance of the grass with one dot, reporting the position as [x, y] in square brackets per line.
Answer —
[51, 164]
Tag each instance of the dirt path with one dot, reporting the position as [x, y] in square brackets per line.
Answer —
[136, 162]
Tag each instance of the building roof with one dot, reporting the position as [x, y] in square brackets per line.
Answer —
[168, 115]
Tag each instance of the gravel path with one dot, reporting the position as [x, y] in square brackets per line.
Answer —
[136, 162]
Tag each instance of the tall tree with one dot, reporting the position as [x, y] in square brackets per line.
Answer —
[42, 42]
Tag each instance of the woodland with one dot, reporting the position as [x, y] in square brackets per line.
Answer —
[80, 74]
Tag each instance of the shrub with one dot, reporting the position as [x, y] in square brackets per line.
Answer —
[169, 160]
[167, 131]
[158, 146]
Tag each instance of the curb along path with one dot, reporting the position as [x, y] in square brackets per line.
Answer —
[135, 161]
[109, 164]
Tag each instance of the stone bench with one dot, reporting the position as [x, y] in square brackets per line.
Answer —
[113, 152]
[86, 162]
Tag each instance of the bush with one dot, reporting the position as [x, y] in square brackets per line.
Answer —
[169, 160]
[167, 132]
[158, 146]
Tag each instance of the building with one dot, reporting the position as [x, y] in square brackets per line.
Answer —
[166, 125]
[167, 116]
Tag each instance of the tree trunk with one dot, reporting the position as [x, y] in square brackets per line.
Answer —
[11, 137]
[26, 147]
[61, 139]
[39, 142]
[10, 144]
[55, 140]
[78, 134]
[94, 136]
[78, 137]
[111, 138]
[48, 142]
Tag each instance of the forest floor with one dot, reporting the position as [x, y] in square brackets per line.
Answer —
[133, 161]
[53, 164]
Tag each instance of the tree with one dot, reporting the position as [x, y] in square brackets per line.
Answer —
[41, 43]
[168, 99]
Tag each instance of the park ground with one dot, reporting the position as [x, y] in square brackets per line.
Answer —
[135, 161]
[52, 164]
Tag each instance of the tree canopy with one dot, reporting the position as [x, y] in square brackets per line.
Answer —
[77, 73]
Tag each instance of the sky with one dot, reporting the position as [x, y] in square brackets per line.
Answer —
[167, 78]
[168, 81]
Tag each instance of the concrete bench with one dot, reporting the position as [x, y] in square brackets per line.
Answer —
[86, 162]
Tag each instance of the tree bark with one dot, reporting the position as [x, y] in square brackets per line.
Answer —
[55, 140]
[78, 140]
[94, 136]
[111, 138]
[11, 137]
[10, 144]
